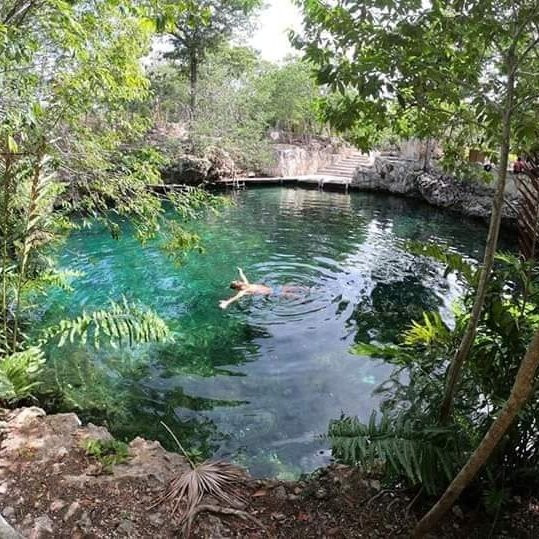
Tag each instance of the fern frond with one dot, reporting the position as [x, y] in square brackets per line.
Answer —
[431, 330]
[53, 277]
[121, 323]
[18, 373]
[423, 455]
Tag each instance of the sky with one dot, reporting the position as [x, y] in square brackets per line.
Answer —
[271, 36]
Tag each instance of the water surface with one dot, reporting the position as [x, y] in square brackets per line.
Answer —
[260, 381]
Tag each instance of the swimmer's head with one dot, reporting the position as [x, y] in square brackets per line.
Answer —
[237, 285]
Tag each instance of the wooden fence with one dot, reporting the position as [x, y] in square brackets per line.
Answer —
[528, 211]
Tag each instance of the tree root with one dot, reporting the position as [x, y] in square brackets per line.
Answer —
[223, 511]
[412, 503]
[376, 496]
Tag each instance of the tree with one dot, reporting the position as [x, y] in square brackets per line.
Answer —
[239, 98]
[202, 27]
[70, 143]
[520, 393]
[448, 65]
[294, 97]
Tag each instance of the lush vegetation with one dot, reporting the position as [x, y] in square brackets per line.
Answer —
[408, 437]
[239, 100]
[72, 153]
[76, 105]
[464, 73]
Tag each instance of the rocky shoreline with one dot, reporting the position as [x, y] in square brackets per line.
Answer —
[50, 487]
[407, 178]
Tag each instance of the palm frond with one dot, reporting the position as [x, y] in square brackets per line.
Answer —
[219, 479]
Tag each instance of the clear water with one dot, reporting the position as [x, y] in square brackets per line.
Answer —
[260, 381]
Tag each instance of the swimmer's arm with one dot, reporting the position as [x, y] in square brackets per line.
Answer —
[242, 276]
[226, 302]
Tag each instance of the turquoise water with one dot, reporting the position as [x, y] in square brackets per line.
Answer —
[260, 381]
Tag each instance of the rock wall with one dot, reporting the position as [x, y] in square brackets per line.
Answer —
[406, 177]
[303, 160]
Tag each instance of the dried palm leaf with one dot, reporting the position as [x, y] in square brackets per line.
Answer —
[219, 479]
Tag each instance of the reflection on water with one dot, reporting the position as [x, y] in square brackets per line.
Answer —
[260, 381]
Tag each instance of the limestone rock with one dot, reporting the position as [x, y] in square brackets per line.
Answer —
[304, 159]
[222, 164]
[25, 417]
[7, 532]
[150, 459]
[43, 527]
[189, 170]
[406, 177]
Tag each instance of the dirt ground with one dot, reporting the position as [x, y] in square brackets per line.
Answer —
[50, 487]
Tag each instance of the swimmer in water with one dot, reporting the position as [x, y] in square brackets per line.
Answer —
[245, 288]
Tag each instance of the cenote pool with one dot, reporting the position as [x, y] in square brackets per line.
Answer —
[259, 382]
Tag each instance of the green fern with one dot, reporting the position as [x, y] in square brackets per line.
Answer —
[431, 330]
[426, 456]
[18, 374]
[121, 323]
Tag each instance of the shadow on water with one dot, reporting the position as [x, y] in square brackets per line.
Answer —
[260, 381]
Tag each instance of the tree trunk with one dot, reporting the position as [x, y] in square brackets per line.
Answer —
[520, 393]
[490, 250]
[193, 81]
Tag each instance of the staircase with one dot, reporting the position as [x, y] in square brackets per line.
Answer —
[346, 166]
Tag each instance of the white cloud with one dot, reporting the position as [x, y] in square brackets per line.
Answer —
[271, 37]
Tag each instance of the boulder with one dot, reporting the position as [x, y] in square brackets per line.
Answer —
[189, 170]
[192, 170]
[222, 164]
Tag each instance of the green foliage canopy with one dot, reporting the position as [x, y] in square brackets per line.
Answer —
[428, 70]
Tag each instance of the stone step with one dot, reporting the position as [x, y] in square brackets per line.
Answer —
[350, 162]
[339, 169]
[333, 173]
[346, 167]
[343, 165]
